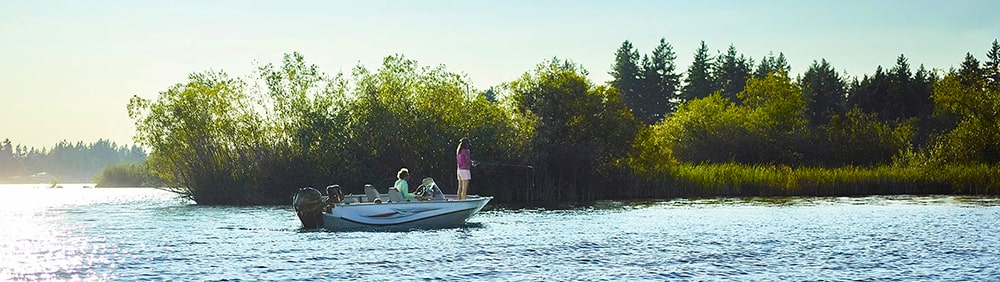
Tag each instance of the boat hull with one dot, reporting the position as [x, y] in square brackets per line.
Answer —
[405, 215]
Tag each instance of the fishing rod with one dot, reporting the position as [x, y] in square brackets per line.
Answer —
[500, 164]
[530, 177]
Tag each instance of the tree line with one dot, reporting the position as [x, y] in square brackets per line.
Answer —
[64, 162]
[650, 132]
[841, 120]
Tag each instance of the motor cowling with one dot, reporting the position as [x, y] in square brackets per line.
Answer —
[309, 205]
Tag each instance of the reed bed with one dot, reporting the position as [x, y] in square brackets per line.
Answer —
[779, 180]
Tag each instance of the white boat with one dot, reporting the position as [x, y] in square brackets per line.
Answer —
[384, 211]
[404, 215]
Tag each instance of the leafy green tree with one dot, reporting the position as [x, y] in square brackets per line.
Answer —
[652, 151]
[731, 73]
[127, 175]
[859, 139]
[303, 131]
[199, 138]
[975, 137]
[699, 82]
[407, 115]
[825, 92]
[217, 143]
[580, 129]
[767, 128]
[777, 116]
[709, 129]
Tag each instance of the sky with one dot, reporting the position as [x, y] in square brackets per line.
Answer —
[68, 68]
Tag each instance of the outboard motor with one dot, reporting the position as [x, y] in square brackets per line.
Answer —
[309, 206]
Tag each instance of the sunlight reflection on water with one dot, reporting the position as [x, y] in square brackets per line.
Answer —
[148, 234]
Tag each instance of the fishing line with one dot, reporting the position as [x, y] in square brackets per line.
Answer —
[510, 165]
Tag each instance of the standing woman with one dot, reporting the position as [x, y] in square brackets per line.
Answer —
[464, 167]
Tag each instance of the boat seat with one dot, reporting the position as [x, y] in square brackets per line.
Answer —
[395, 196]
[372, 194]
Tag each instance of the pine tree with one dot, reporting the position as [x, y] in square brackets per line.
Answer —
[699, 82]
[923, 87]
[869, 94]
[626, 77]
[991, 68]
[781, 63]
[661, 83]
[769, 64]
[824, 91]
[971, 74]
[6, 158]
[732, 71]
[490, 94]
[900, 99]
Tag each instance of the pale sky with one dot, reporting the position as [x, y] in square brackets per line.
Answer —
[68, 68]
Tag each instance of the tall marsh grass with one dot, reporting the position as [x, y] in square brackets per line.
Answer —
[779, 180]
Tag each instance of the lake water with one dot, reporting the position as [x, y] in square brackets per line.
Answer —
[147, 234]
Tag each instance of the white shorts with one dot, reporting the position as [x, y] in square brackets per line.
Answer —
[464, 174]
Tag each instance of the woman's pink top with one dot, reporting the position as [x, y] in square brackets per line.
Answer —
[464, 160]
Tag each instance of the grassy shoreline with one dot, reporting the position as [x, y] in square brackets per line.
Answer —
[780, 180]
[738, 180]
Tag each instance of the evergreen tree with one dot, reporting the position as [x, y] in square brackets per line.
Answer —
[732, 71]
[824, 91]
[769, 64]
[971, 73]
[699, 83]
[490, 94]
[901, 101]
[661, 83]
[910, 96]
[626, 77]
[66, 161]
[922, 86]
[991, 68]
[893, 95]
[6, 158]
[869, 94]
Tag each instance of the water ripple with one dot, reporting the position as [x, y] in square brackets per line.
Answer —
[146, 234]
